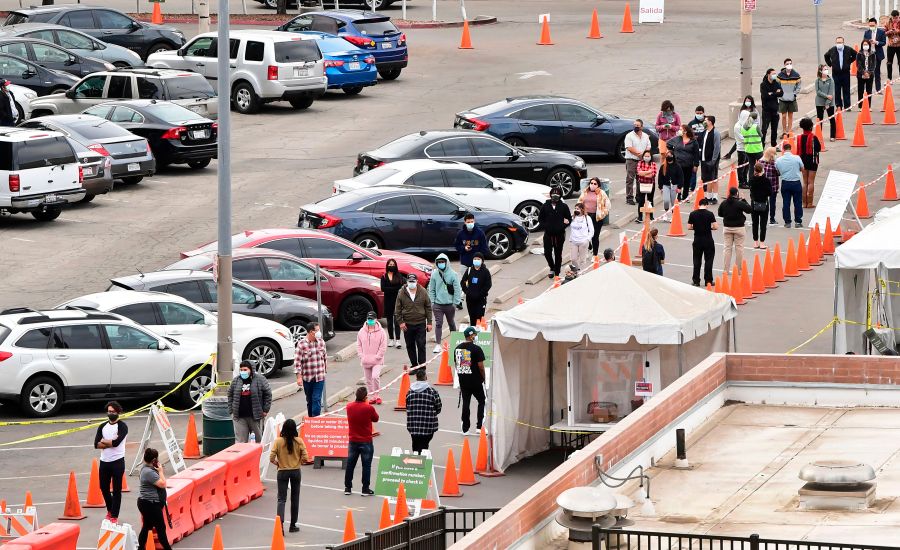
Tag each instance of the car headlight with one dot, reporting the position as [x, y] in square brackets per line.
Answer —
[421, 267]
[283, 335]
[30, 95]
[580, 164]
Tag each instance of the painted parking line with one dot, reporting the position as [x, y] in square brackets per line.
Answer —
[273, 519]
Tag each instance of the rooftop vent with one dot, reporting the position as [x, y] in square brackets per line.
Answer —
[581, 507]
[837, 485]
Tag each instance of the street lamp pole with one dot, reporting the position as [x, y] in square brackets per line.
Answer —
[747, 8]
[224, 363]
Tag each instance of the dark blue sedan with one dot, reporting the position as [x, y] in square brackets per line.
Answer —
[410, 219]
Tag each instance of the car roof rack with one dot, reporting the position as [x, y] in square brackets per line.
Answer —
[86, 309]
[17, 310]
[43, 318]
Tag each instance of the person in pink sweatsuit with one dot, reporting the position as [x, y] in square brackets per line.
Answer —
[371, 343]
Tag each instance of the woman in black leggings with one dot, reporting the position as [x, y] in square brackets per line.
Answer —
[391, 283]
[153, 481]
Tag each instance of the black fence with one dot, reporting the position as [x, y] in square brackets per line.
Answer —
[619, 539]
[435, 530]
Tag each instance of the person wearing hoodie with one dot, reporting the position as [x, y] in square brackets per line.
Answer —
[790, 86]
[469, 360]
[371, 343]
[738, 135]
[769, 92]
[476, 283]
[469, 240]
[423, 405]
[580, 236]
[445, 293]
[554, 217]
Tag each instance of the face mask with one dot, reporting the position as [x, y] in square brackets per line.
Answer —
[578, 212]
[470, 225]
[771, 77]
[318, 335]
[670, 158]
[370, 322]
[789, 67]
[826, 72]
[554, 198]
[392, 268]
[699, 116]
[871, 28]
[411, 285]
[748, 103]
[637, 129]
[442, 265]
[112, 416]
[593, 186]
[245, 374]
[476, 263]
[679, 133]
[648, 159]
[865, 48]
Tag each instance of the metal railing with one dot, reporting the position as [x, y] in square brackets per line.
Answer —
[435, 530]
[620, 539]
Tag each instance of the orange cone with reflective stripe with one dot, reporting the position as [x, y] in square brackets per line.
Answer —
[862, 203]
[839, 125]
[402, 511]
[865, 112]
[465, 42]
[828, 241]
[595, 28]
[72, 509]
[191, 447]
[349, 528]
[545, 33]
[769, 270]
[626, 20]
[890, 187]
[94, 496]
[675, 228]
[451, 483]
[758, 283]
[746, 287]
[445, 375]
[404, 389]
[777, 266]
[790, 265]
[859, 136]
[735, 287]
[802, 255]
[466, 471]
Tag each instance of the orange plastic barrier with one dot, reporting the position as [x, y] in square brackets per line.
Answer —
[178, 499]
[208, 493]
[55, 536]
[242, 482]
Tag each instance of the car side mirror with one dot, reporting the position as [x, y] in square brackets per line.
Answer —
[460, 212]
[496, 186]
[70, 93]
[599, 120]
[257, 300]
[357, 257]
[28, 73]
[160, 345]
[71, 61]
[180, 52]
[513, 155]
[135, 26]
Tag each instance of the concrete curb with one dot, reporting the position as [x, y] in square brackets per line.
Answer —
[285, 391]
[494, 269]
[517, 256]
[508, 294]
[348, 352]
[186, 18]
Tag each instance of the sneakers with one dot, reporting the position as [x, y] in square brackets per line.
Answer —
[347, 491]
[798, 225]
[787, 225]
[367, 492]
[293, 528]
[378, 401]
[437, 349]
[372, 401]
[391, 343]
[772, 222]
[398, 344]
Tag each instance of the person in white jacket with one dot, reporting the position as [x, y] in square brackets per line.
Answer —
[580, 234]
[371, 343]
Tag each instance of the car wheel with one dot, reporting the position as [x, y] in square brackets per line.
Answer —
[389, 74]
[375, 5]
[353, 312]
[301, 103]
[244, 100]
[620, 150]
[198, 164]
[41, 397]
[516, 142]
[21, 112]
[121, 65]
[500, 244]
[297, 328]
[47, 214]
[271, 4]
[353, 90]
[159, 47]
[370, 242]
[265, 357]
[88, 198]
[132, 179]
[562, 178]
[529, 212]
[192, 392]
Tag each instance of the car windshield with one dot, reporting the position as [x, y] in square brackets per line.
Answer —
[189, 87]
[172, 113]
[15, 18]
[50, 151]
[99, 129]
[399, 147]
[376, 27]
[297, 51]
[375, 176]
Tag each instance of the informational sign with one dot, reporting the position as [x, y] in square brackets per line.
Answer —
[749, 5]
[817, 2]
[326, 436]
[836, 195]
[484, 340]
[643, 388]
[168, 437]
[414, 471]
[651, 11]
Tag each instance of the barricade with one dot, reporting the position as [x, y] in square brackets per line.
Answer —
[208, 495]
[55, 536]
[178, 499]
[242, 481]
[116, 536]
[18, 522]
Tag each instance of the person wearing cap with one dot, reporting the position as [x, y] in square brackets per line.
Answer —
[371, 343]
[9, 114]
[476, 283]
[423, 405]
[703, 222]
[446, 297]
[554, 217]
[413, 313]
[469, 360]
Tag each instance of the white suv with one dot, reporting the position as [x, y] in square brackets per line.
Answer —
[57, 356]
[39, 173]
[266, 344]
[266, 66]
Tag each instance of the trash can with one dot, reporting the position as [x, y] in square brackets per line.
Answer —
[218, 430]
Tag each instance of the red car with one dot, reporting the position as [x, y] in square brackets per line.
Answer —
[350, 296]
[327, 250]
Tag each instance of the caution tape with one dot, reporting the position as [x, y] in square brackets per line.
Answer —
[837, 321]
[544, 428]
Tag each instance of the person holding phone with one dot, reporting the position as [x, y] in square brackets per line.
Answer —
[110, 439]
[151, 500]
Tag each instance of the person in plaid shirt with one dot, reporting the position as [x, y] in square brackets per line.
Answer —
[423, 405]
[310, 365]
[771, 174]
[646, 176]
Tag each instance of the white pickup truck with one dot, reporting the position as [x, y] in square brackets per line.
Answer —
[39, 173]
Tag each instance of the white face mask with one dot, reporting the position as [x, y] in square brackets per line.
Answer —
[318, 334]
[748, 103]
[789, 67]
[840, 45]
[648, 159]
[865, 48]
[825, 72]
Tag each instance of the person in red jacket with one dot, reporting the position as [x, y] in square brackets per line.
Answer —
[360, 416]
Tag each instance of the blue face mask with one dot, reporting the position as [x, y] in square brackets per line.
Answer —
[370, 322]
[411, 285]
[476, 263]
[245, 374]
[442, 265]
[470, 225]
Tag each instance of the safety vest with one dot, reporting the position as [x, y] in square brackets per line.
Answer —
[752, 140]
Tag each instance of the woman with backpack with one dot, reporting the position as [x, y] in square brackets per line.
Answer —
[287, 454]
[152, 500]
[653, 255]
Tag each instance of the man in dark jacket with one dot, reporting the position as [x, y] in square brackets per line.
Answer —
[414, 315]
[732, 211]
[878, 36]
[476, 283]
[554, 217]
[8, 111]
[839, 57]
[249, 401]
[423, 405]
[469, 360]
[469, 240]
[770, 90]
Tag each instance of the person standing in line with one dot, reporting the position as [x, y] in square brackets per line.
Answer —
[687, 155]
[360, 416]
[596, 207]
[703, 222]
[555, 217]
[249, 401]
[865, 71]
[580, 236]
[748, 105]
[469, 359]
[738, 134]
[825, 98]
[790, 87]
[646, 174]
[371, 344]
[877, 37]
[288, 453]
[760, 191]
[667, 121]
[753, 143]
[310, 365]
[698, 125]
[414, 315]
[808, 147]
[445, 294]
[9, 114]
[732, 211]
[769, 92]
[476, 284]
[710, 150]
[840, 58]
[149, 503]
[423, 405]
[771, 174]
[892, 33]
[469, 240]
[391, 283]
[110, 439]
[609, 255]
[636, 142]
[653, 255]
[790, 168]
[670, 181]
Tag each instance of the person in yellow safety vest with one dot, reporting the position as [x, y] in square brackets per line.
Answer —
[753, 145]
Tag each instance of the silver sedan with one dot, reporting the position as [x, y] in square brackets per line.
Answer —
[76, 41]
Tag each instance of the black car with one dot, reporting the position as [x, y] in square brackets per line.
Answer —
[484, 152]
[553, 122]
[43, 81]
[176, 135]
[49, 55]
[199, 287]
[106, 24]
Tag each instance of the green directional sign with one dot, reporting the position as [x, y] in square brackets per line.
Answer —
[484, 341]
[413, 471]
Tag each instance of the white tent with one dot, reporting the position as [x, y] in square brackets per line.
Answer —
[613, 311]
[866, 287]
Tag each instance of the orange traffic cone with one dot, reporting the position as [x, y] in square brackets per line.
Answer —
[815, 247]
[595, 29]
[890, 119]
[723, 285]
[890, 188]
[481, 458]
[385, 520]
[191, 448]
[859, 137]
[758, 282]
[718, 285]
[802, 255]
[828, 240]
[732, 178]
[349, 528]
[698, 196]
[777, 266]
[72, 509]
[746, 286]
[735, 287]
[644, 232]
[862, 203]
[625, 254]
[596, 262]
[839, 125]
[709, 287]
[278, 535]
[125, 488]
[156, 18]
[29, 502]
[94, 496]
[466, 42]
[404, 389]
[790, 265]
[818, 135]
[445, 375]
[675, 228]
[151, 541]
[626, 20]
[865, 111]
[545, 33]
[853, 64]
[217, 539]
[769, 270]
[402, 510]
[837, 232]
[451, 483]
[466, 471]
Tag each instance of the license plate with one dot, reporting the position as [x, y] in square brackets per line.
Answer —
[50, 198]
[200, 134]
[134, 167]
[197, 109]
[88, 171]
[387, 45]
[301, 72]
[353, 65]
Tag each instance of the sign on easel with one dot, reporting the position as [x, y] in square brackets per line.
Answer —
[160, 419]
[271, 429]
[834, 200]
[415, 471]
[326, 438]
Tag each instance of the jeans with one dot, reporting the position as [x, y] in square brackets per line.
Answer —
[467, 393]
[792, 190]
[285, 478]
[863, 85]
[476, 306]
[553, 246]
[734, 244]
[111, 473]
[820, 114]
[246, 425]
[669, 196]
[420, 442]
[313, 391]
[354, 452]
[442, 311]
[759, 225]
[373, 380]
[842, 90]
[630, 177]
[892, 52]
[772, 206]
[645, 197]
[595, 240]
[770, 119]
[415, 343]
[705, 252]
[152, 517]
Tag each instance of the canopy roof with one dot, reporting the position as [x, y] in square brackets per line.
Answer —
[878, 243]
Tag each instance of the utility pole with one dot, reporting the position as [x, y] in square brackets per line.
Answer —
[203, 21]
[818, 41]
[224, 357]
[747, 8]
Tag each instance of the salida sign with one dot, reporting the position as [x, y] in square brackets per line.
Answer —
[651, 11]
[326, 436]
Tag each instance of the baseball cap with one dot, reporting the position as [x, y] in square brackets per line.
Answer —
[371, 315]
[412, 277]
[469, 331]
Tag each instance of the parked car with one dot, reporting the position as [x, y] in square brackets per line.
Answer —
[131, 157]
[326, 250]
[372, 32]
[106, 24]
[176, 135]
[267, 66]
[455, 179]
[58, 356]
[553, 122]
[39, 173]
[51, 56]
[371, 4]
[294, 312]
[347, 67]
[350, 295]
[23, 97]
[18, 70]
[410, 219]
[96, 169]
[190, 90]
[268, 345]
[487, 153]
[75, 41]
